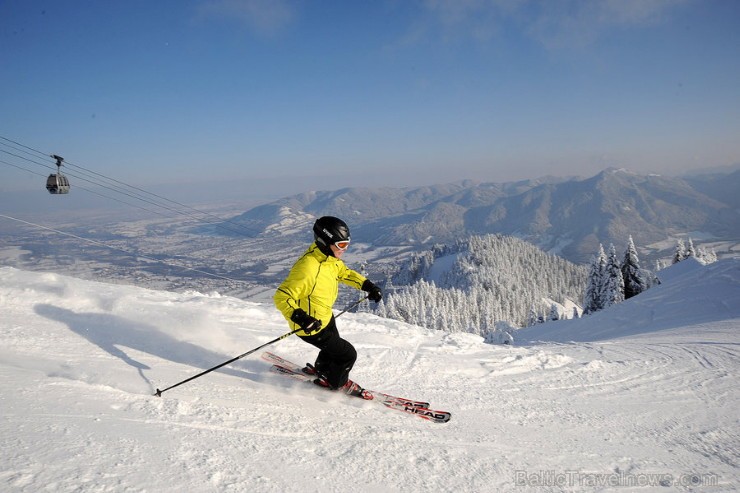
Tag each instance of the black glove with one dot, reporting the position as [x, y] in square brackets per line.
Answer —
[373, 291]
[305, 321]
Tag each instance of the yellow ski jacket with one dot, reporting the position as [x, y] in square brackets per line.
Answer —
[313, 285]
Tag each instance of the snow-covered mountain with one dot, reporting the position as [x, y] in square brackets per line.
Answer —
[645, 399]
[722, 186]
[566, 216]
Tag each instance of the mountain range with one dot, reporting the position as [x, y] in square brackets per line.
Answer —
[568, 216]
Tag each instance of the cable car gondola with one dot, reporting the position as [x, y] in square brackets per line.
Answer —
[57, 183]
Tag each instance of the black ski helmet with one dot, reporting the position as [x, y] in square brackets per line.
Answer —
[328, 230]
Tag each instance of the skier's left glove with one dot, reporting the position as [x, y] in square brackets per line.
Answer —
[373, 292]
[305, 321]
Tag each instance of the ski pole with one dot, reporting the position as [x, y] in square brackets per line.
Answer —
[158, 393]
[351, 307]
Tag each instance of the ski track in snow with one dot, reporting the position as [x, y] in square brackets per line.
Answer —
[79, 362]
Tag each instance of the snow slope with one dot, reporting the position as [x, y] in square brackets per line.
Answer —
[79, 362]
[691, 294]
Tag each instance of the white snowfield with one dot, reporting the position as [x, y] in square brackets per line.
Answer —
[640, 397]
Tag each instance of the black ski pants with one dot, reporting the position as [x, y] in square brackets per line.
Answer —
[336, 356]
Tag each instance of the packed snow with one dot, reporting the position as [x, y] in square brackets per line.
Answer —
[640, 397]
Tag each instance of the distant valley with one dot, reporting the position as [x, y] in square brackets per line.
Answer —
[568, 217]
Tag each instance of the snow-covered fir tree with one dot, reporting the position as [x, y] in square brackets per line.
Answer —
[610, 281]
[680, 253]
[469, 286]
[690, 250]
[634, 283]
[706, 256]
[686, 250]
[592, 300]
[554, 312]
[613, 283]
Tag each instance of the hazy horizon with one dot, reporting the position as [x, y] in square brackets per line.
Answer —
[216, 194]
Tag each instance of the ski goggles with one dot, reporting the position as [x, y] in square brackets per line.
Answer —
[342, 245]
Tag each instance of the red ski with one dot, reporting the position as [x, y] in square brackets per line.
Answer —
[409, 406]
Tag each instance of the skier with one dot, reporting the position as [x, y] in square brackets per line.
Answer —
[306, 298]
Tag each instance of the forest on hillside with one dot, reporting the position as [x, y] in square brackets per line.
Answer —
[478, 282]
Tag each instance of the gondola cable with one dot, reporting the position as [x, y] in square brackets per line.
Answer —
[88, 190]
[220, 221]
[131, 195]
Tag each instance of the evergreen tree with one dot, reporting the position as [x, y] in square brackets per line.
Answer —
[634, 283]
[554, 313]
[680, 252]
[690, 251]
[706, 256]
[592, 298]
[613, 287]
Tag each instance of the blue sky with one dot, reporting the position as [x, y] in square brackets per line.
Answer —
[326, 94]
